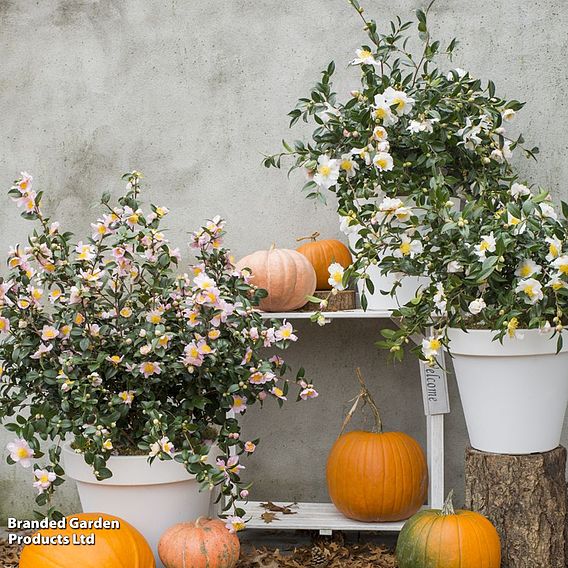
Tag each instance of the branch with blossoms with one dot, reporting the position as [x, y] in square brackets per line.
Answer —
[106, 344]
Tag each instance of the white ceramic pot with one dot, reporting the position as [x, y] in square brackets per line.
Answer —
[151, 498]
[385, 282]
[514, 395]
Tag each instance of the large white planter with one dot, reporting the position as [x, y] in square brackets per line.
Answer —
[151, 498]
[514, 395]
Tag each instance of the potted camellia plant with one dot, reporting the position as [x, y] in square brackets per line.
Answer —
[389, 141]
[420, 161]
[132, 373]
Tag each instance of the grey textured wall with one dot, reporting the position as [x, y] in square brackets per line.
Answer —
[192, 93]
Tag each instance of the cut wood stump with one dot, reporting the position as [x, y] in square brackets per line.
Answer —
[525, 497]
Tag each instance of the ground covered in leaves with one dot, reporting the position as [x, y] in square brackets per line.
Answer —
[320, 554]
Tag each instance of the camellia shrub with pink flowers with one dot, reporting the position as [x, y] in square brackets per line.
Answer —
[104, 345]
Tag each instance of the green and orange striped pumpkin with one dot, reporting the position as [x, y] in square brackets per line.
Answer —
[448, 539]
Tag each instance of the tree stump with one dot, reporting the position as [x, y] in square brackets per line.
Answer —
[525, 497]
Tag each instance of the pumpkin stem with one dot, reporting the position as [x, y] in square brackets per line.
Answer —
[448, 508]
[313, 237]
[365, 396]
[200, 521]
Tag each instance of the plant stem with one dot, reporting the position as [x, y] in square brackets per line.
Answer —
[448, 508]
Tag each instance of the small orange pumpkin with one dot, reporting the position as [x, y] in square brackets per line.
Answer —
[204, 543]
[113, 548]
[286, 275]
[376, 476]
[323, 253]
[448, 539]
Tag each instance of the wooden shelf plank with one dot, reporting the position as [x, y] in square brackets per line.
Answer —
[312, 516]
[344, 314]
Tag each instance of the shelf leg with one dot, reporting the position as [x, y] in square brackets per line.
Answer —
[435, 452]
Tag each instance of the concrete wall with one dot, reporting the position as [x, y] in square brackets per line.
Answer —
[192, 93]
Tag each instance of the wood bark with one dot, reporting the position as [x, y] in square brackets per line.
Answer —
[343, 300]
[525, 497]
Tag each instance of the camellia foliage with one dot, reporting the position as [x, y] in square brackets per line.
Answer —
[106, 346]
[419, 158]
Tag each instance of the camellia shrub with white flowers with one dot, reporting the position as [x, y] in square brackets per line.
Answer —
[419, 159]
[103, 345]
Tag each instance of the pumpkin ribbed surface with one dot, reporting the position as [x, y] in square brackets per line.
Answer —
[113, 548]
[204, 543]
[286, 275]
[463, 539]
[377, 477]
[323, 253]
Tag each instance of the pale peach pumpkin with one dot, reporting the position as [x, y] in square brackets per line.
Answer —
[205, 543]
[286, 275]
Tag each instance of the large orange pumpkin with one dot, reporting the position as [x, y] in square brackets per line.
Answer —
[113, 548]
[377, 476]
[205, 543]
[323, 253]
[448, 539]
[286, 275]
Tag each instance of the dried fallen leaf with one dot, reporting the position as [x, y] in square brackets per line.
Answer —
[284, 509]
[268, 517]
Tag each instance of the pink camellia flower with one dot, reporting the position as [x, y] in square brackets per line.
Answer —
[269, 337]
[278, 393]
[308, 392]
[277, 360]
[192, 357]
[85, 252]
[149, 368]
[42, 350]
[250, 447]
[127, 397]
[25, 182]
[247, 357]
[235, 524]
[20, 452]
[232, 465]
[239, 404]
[4, 325]
[49, 332]
[44, 479]
[244, 494]
[203, 282]
[285, 332]
[253, 333]
[4, 289]
[27, 201]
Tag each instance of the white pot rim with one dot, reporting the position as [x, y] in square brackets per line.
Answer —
[480, 343]
[126, 470]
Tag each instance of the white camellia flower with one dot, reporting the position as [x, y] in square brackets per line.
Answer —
[380, 134]
[477, 306]
[328, 112]
[469, 133]
[528, 268]
[383, 161]
[532, 290]
[519, 190]
[400, 100]
[382, 111]
[348, 165]
[561, 264]
[431, 346]
[408, 247]
[336, 276]
[487, 244]
[547, 210]
[388, 206]
[363, 153]
[519, 226]
[426, 125]
[554, 248]
[364, 57]
[509, 115]
[347, 227]
[556, 283]
[454, 266]
[327, 172]
[44, 479]
[439, 298]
